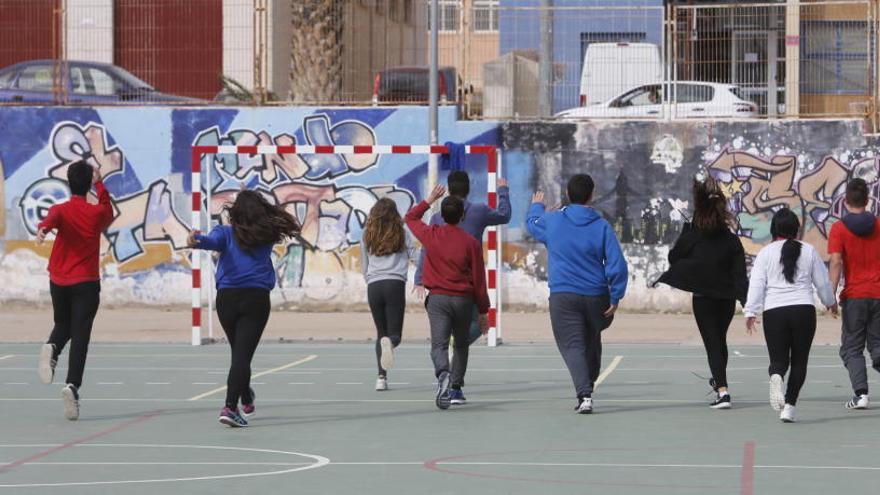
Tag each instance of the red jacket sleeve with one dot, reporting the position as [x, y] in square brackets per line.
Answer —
[105, 217]
[478, 271]
[51, 220]
[416, 225]
[835, 239]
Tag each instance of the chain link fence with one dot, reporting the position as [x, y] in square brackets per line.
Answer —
[500, 59]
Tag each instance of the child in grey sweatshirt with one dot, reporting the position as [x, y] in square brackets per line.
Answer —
[386, 251]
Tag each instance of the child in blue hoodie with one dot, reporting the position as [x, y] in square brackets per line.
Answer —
[245, 277]
[587, 277]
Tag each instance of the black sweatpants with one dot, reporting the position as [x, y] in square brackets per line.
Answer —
[243, 313]
[713, 319]
[387, 299]
[789, 332]
[74, 308]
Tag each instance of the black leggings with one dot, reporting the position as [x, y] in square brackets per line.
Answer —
[387, 300]
[789, 332]
[243, 314]
[713, 319]
[74, 308]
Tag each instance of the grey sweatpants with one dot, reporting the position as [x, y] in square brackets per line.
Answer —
[861, 329]
[577, 323]
[450, 316]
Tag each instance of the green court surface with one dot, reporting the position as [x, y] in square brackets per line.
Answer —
[321, 428]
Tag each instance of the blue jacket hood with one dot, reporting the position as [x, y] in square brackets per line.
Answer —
[580, 215]
[860, 224]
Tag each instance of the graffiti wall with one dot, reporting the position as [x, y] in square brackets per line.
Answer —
[145, 157]
[643, 172]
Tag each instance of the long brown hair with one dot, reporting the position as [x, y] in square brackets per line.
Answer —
[384, 233]
[710, 207]
[257, 222]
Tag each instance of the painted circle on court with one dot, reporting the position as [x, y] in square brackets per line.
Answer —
[314, 462]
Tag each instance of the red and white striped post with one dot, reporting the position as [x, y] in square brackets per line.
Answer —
[494, 245]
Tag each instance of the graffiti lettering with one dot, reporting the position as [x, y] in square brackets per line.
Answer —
[758, 186]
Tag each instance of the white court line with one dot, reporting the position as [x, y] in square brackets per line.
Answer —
[277, 373]
[15, 383]
[158, 383]
[204, 383]
[102, 463]
[8, 356]
[611, 367]
[110, 383]
[301, 383]
[349, 383]
[262, 373]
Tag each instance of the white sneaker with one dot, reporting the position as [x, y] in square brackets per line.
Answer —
[585, 406]
[787, 415]
[386, 359]
[381, 384]
[70, 396]
[46, 366]
[777, 396]
[858, 402]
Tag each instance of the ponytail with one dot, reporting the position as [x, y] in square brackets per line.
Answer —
[791, 251]
[785, 225]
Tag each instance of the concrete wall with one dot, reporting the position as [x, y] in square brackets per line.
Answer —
[643, 172]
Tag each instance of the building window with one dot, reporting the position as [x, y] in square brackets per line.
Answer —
[450, 15]
[835, 58]
[408, 11]
[486, 16]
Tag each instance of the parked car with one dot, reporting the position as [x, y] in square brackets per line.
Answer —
[83, 82]
[410, 85]
[691, 99]
[610, 68]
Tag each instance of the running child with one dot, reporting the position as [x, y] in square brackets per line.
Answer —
[386, 252]
[587, 275]
[245, 277]
[709, 261]
[854, 245]
[477, 216]
[74, 277]
[783, 277]
[455, 277]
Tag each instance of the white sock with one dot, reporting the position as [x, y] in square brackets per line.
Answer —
[723, 394]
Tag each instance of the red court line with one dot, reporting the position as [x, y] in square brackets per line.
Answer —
[747, 475]
[46, 453]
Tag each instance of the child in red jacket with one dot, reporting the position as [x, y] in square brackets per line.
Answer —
[455, 277]
[75, 278]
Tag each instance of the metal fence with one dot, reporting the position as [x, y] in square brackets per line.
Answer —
[508, 59]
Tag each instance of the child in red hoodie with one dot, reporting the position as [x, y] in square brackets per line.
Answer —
[75, 278]
[455, 276]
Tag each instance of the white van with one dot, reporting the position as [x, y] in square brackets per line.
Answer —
[612, 68]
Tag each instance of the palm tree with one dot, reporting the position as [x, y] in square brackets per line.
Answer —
[316, 50]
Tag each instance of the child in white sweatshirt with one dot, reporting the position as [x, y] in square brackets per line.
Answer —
[782, 284]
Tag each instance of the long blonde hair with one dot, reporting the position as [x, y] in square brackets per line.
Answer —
[384, 234]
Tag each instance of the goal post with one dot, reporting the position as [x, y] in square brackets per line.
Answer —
[492, 236]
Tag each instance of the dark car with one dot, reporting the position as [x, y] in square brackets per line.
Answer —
[78, 82]
[410, 85]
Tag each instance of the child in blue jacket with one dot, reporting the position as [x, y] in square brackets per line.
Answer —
[587, 278]
[245, 277]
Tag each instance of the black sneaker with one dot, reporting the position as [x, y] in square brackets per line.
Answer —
[442, 398]
[70, 395]
[721, 402]
[456, 397]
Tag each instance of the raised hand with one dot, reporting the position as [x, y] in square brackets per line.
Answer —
[191, 238]
[502, 182]
[538, 197]
[436, 194]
